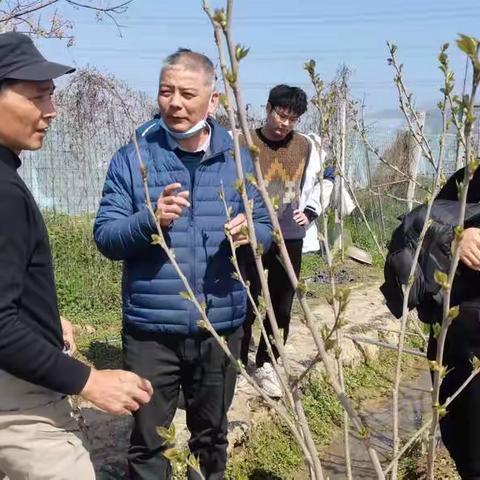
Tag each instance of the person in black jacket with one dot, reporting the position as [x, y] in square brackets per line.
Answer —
[460, 428]
[39, 438]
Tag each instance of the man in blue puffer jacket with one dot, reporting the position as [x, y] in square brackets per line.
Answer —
[188, 157]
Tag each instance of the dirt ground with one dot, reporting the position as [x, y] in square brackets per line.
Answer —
[367, 318]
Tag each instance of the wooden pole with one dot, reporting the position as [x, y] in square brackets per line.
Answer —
[413, 165]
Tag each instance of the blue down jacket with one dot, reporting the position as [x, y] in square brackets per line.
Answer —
[123, 228]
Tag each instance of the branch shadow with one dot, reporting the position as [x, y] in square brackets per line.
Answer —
[103, 354]
[261, 474]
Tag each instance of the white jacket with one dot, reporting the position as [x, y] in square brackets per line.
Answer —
[312, 190]
[310, 195]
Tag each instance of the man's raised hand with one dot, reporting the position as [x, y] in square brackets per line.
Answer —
[170, 204]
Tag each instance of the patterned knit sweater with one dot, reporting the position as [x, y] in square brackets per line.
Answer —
[283, 166]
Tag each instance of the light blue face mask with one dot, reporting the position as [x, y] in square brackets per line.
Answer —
[192, 131]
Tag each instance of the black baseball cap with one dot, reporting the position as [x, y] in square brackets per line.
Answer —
[21, 60]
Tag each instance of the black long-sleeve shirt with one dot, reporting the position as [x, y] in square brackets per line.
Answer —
[31, 339]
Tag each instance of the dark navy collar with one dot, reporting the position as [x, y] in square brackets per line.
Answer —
[275, 144]
[10, 158]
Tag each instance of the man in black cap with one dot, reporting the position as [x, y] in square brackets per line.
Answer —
[39, 439]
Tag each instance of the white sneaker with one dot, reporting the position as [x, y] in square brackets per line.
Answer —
[268, 381]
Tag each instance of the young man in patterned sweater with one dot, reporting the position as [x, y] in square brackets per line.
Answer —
[290, 164]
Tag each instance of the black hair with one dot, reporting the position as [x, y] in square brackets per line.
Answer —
[293, 99]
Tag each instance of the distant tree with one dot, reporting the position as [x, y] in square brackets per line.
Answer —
[106, 109]
[47, 18]
[399, 154]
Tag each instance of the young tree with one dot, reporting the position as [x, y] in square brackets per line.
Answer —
[51, 18]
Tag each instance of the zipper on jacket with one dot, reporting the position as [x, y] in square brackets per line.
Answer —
[193, 283]
[192, 227]
[192, 280]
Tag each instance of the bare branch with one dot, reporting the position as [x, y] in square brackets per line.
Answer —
[371, 341]
[427, 424]
[17, 12]
[416, 126]
[470, 166]
[406, 293]
[376, 152]
[29, 14]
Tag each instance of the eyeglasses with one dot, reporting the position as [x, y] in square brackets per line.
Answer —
[284, 117]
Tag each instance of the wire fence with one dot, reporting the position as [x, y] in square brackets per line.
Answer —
[98, 114]
[67, 174]
[362, 164]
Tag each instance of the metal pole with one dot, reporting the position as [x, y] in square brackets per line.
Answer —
[343, 128]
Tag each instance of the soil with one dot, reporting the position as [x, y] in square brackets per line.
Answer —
[366, 314]
[341, 277]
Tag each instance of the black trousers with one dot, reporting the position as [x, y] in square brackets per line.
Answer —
[207, 378]
[281, 292]
[460, 428]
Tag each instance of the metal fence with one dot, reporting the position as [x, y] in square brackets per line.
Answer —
[96, 117]
[67, 176]
[359, 160]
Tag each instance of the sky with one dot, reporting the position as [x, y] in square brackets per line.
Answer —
[282, 35]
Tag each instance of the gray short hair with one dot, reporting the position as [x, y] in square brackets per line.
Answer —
[192, 61]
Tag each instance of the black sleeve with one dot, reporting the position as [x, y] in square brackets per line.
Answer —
[450, 191]
[24, 352]
[310, 214]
